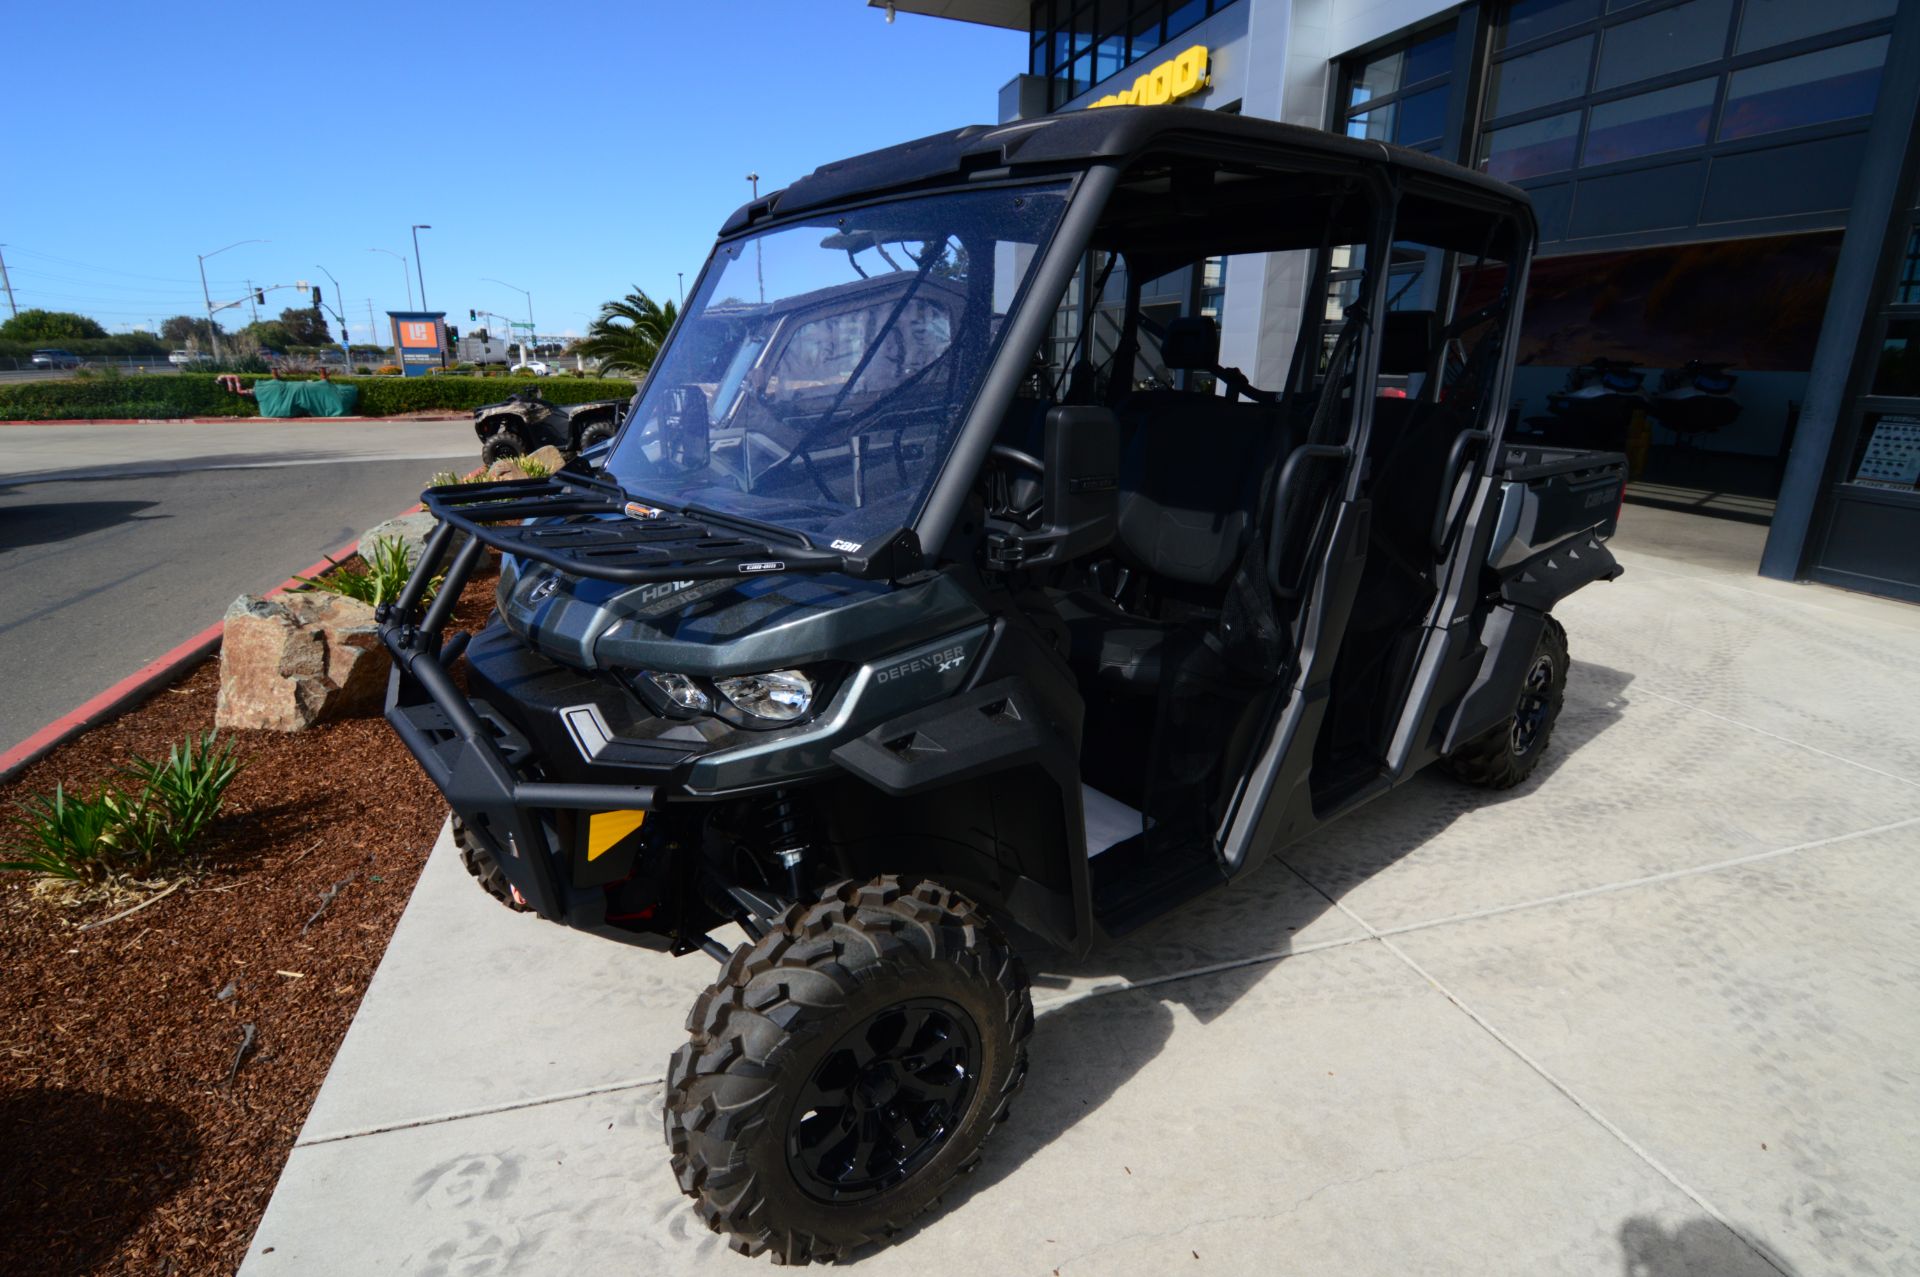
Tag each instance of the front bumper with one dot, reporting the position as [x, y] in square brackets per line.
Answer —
[536, 829]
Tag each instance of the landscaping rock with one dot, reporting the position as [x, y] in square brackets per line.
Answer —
[410, 530]
[549, 456]
[291, 661]
[505, 468]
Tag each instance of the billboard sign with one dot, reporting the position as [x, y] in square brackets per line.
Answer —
[421, 338]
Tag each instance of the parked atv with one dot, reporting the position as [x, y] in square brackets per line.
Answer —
[876, 634]
[526, 421]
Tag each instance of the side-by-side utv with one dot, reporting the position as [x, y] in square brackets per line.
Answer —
[943, 584]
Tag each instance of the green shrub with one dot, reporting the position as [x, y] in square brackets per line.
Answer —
[194, 394]
[380, 581]
[125, 832]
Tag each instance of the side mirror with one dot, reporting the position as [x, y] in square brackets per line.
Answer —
[1081, 509]
[685, 433]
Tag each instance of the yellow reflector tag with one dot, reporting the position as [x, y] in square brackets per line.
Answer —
[605, 828]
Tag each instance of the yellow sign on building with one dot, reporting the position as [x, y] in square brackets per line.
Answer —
[1172, 80]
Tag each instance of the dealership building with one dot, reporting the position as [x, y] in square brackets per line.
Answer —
[1728, 203]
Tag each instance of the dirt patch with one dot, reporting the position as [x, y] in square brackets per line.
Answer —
[129, 1143]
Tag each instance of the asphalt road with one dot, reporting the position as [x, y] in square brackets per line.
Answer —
[148, 532]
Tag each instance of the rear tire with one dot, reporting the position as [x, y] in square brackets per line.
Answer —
[485, 868]
[845, 1068]
[598, 432]
[1507, 755]
[500, 446]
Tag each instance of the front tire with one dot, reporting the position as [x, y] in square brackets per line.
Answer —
[1507, 755]
[485, 868]
[845, 1069]
[502, 445]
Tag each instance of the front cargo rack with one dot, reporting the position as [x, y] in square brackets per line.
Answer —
[588, 527]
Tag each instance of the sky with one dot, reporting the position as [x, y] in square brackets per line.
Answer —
[570, 150]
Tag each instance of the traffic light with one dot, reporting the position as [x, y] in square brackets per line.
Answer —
[316, 297]
[259, 297]
[473, 316]
[453, 335]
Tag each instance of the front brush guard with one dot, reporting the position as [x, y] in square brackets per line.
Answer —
[461, 750]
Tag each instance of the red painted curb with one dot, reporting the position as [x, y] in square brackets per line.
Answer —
[148, 679]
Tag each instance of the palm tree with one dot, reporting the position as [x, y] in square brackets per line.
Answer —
[628, 333]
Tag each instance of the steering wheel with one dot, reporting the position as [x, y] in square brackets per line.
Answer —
[1023, 460]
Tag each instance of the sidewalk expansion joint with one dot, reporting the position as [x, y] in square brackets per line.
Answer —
[1785, 740]
[1759, 1249]
[1044, 1003]
[485, 1110]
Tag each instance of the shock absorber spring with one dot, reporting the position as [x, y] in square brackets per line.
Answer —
[783, 828]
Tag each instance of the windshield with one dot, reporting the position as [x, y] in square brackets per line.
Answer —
[821, 369]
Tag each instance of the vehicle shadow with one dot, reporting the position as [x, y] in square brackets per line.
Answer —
[1201, 960]
[1697, 1247]
[55, 521]
[81, 1172]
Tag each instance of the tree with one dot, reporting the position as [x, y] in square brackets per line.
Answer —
[305, 326]
[627, 334]
[270, 333]
[185, 328]
[50, 325]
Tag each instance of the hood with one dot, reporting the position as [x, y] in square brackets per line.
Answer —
[730, 626]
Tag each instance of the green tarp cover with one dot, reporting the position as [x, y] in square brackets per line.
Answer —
[304, 398]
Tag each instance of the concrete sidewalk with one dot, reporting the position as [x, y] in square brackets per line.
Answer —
[1652, 1013]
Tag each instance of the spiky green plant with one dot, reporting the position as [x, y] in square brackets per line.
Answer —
[63, 836]
[180, 797]
[388, 569]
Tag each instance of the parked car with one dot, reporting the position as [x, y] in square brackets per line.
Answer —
[55, 359]
[533, 368]
[188, 358]
[890, 624]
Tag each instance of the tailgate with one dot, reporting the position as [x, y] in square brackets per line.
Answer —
[1558, 506]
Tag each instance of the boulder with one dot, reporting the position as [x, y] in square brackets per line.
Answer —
[505, 468]
[549, 456]
[294, 660]
[410, 530]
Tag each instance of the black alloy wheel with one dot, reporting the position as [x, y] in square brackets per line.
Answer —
[1531, 715]
[884, 1100]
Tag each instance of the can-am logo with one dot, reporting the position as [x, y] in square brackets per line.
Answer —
[847, 547]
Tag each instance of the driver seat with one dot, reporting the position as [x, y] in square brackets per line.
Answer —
[1190, 487]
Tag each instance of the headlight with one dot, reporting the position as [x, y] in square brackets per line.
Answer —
[778, 697]
[682, 691]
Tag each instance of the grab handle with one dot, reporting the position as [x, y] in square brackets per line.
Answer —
[1467, 441]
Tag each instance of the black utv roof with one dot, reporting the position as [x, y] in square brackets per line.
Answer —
[1076, 139]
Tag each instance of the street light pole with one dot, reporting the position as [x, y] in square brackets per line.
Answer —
[406, 276]
[759, 262]
[524, 348]
[682, 277]
[213, 329]
[417, 228]
[340, 313]
[8, 283]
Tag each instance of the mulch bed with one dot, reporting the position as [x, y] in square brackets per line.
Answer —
[125, 1145]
